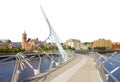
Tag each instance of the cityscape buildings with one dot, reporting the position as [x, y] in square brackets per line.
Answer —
[28, 43]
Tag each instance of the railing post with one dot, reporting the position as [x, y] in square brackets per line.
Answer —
[52, 62]
[16, 72]
[39, 63]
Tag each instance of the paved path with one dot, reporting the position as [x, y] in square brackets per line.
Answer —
[82, 69]
[65, 76]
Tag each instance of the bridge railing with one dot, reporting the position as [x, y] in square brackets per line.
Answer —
[101, 61]
[22, 60]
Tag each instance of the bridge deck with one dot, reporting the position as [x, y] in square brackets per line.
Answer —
[82, 69]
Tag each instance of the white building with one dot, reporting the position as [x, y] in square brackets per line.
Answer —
[74, 43]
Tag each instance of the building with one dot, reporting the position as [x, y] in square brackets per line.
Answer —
[86, 45]
[116, 46]
[103, 43]
[30, 43]
[15, 45]
[73, 43]
[4, 43]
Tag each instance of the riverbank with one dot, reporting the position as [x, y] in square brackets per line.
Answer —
[8, 53]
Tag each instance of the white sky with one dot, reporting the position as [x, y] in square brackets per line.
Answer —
[87, 20]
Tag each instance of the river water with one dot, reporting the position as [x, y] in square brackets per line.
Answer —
[7, 68]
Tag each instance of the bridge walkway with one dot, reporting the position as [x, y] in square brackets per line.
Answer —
[81, 69]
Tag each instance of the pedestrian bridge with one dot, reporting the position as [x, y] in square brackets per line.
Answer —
[81, 68]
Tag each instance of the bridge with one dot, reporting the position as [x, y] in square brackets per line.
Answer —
[81, 68]
[72, 68]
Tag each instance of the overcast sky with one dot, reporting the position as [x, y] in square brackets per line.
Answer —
[87, 20]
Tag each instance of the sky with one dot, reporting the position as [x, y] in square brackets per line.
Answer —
[86, 20]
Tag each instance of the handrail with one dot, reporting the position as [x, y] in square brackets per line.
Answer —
[15, 73]
[108, 74]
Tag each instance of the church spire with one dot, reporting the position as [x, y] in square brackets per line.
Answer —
[24, 32]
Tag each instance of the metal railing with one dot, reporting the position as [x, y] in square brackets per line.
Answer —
[102, 60]
[21, 61]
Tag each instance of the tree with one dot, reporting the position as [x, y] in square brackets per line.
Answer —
[73, 48]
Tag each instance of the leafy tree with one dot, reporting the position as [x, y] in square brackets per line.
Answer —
[72, 48]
